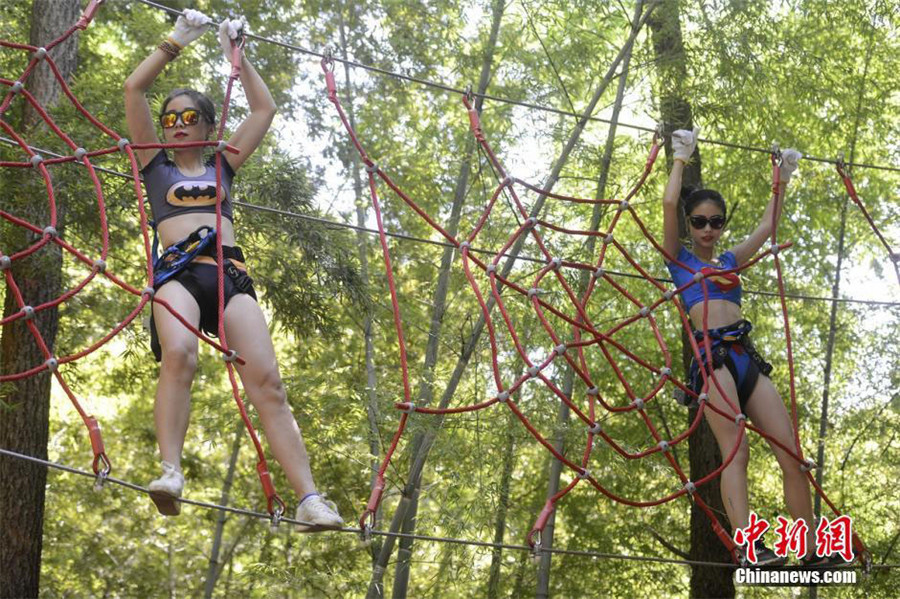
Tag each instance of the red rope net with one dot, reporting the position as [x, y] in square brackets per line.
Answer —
[584, 334]
[98, 266]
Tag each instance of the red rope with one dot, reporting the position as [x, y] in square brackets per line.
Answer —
[97, 266]
[851, 191]
[580, 323]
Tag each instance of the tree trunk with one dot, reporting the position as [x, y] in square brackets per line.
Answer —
[24, 427]
[419, 457]
[351, 160]
[562, 418]
[835, 294]
[426, 388]
[215, 566]
[509, 457]
[703, 450]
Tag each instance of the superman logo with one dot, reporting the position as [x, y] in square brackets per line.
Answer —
[725, 282]
[192, 193]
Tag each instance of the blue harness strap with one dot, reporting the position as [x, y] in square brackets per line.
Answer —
[177, 256]
[732, 348]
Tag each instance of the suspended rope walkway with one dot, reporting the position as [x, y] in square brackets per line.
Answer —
[382, 533]
[585, 333]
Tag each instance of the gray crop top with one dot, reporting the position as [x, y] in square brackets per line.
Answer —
[171, 192]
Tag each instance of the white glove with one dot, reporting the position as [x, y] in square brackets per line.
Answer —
[189, 26]
[789, 160]
[684, 143]
[229, 30]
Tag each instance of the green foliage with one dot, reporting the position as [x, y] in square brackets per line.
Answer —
[758, 73]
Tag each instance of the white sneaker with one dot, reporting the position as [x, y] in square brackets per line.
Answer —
[317, 511]
[166, 489]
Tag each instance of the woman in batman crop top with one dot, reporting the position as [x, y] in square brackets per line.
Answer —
[182, 192]
[738, 367]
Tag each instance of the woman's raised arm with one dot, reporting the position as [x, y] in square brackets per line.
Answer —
[249, 133]
[141, 125]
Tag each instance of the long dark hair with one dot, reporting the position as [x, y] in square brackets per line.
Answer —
[692, 196]
[204, 104]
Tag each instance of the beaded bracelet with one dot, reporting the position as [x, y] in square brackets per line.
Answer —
[170, 48]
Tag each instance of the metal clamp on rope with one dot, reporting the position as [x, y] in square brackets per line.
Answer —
[100, 265]
[36, 160]
[560, 349]
[16, 87]
[5, 262]
[102, 477]
[665, 371]
[608, 239]
[738, 418]
[149, 292]
[599, 272]
[221, 146]
[555, 263]
[669, 294]
[491, 268]
[645, 311]
[585, 473]
[464, 245]
[533, 371]
[593, 391]
[776, 152]
[638, 403]
[50, 231]
[231, 356]
[533, 292]
[774, 249]
[690, 487]
[467, 93]
[277, 516]
[623, 206]
[530, 222]
[595, 428]
[702, 397]
[536, 549]
[40, 53]
[371, 167]
[698, 276]
[52, 364]
[408, 407]
[808, 465]
[663, 446]
[28, 312]
[80, 153]
[503, 396]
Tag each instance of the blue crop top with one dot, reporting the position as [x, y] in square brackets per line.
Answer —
[171, 192]
[694, 294]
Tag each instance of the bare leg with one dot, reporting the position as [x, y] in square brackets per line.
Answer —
[172, 408]
[248, 334]
[733, 481]
[766, 409]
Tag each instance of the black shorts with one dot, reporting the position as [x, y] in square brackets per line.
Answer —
[201, 281]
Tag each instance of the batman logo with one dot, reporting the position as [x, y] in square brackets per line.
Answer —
[192, 193]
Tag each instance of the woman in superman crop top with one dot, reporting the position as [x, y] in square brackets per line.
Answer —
[739, 369]
[182, 192]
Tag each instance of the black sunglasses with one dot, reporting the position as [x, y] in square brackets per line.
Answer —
[189, 116]
[699, 222]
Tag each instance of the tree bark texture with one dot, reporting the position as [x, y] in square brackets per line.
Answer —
[24, 420]
[675, 111]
